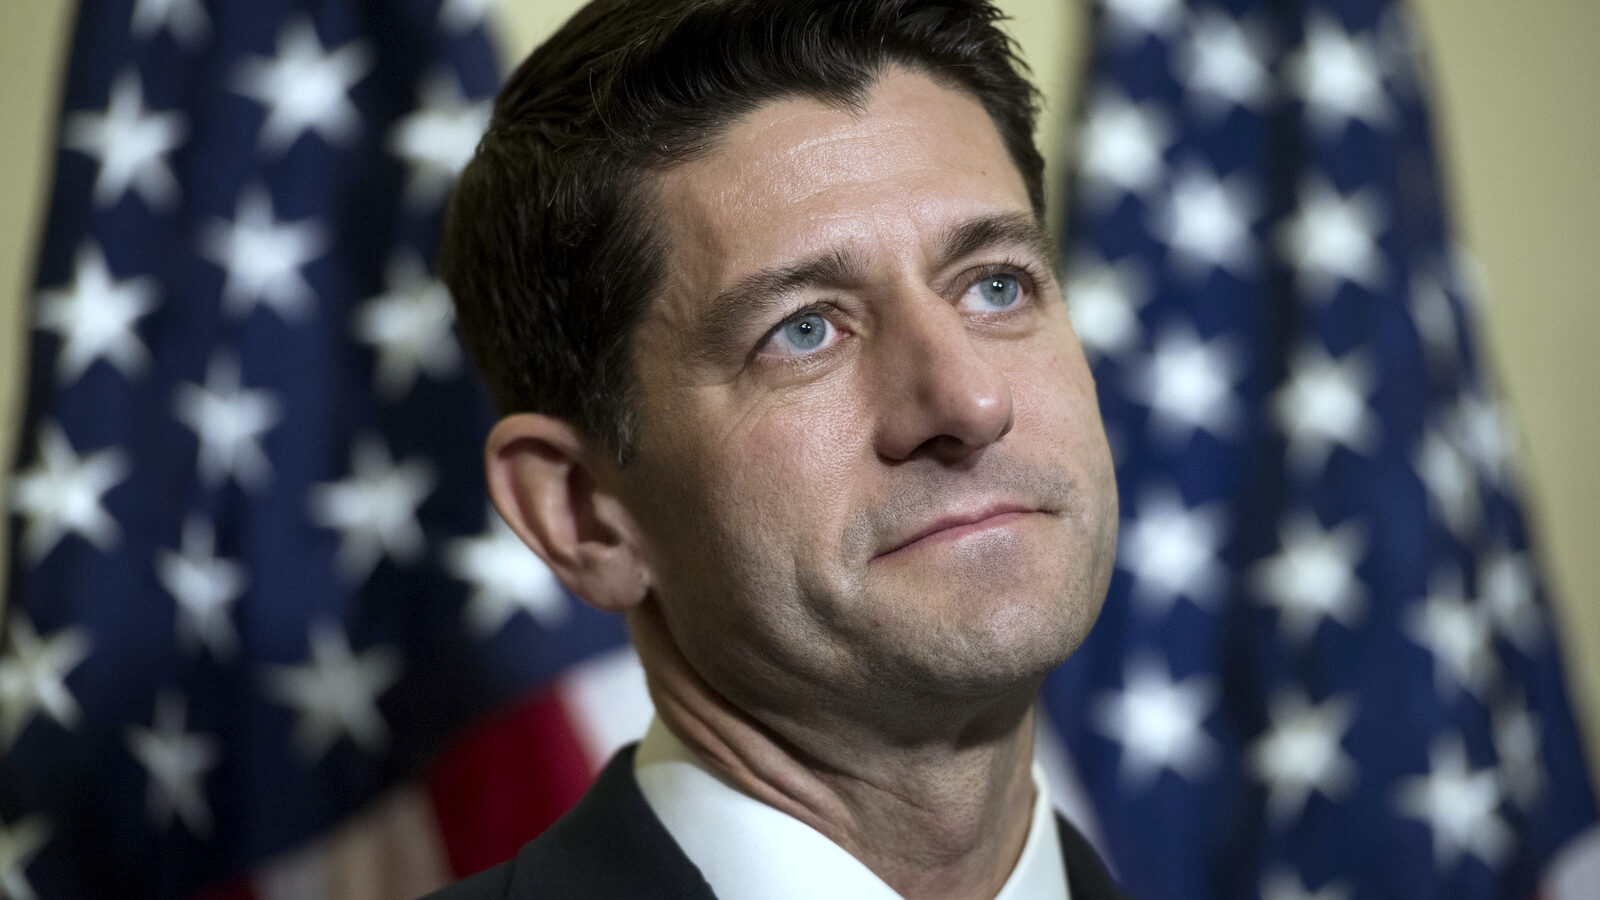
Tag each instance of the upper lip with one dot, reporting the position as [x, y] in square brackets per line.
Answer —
[956, 519]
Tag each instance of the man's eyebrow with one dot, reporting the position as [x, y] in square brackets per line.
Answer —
[756, 294]
[995, 231]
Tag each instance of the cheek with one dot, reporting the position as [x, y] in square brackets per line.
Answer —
[762, 488]
[1053, 396]
[1070, 407]
[788, 468]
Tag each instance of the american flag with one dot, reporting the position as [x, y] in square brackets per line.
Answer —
[259, 605]
[260, 612]
[1326, 666]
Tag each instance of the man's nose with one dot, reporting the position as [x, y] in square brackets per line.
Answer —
[939, 391]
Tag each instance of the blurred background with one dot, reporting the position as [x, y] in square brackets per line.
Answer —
[1515, 98]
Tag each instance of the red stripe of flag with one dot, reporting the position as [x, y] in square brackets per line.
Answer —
[505, 781]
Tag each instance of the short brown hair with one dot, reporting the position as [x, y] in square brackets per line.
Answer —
[549, 246]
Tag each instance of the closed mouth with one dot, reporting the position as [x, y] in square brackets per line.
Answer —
[956, 526]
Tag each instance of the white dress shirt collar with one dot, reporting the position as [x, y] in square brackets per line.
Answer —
[747, 849]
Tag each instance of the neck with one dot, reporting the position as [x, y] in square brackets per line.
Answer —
[945, 815]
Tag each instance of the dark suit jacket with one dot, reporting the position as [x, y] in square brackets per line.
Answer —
[611, 846]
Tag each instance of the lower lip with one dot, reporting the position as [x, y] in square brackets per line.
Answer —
[956, 533]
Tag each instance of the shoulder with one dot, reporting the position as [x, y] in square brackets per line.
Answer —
[609, 845]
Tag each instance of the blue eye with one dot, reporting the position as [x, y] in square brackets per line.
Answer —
[803, 334]
[998, 291]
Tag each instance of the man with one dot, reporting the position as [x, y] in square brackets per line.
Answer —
[763, 291]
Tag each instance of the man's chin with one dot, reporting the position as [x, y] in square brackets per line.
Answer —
[958, 692]
[974, 638]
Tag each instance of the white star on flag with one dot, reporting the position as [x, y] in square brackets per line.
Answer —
[1313, 576]
[1158, 722]
[1340, 78]
[206, 589]
[1282, 884]
[1468, 278]
[464, 15]
[1171, 550]
[262, 257]
[96, 317]
[229, 423]
[1451, 483]
[131, 144]
[63, 493]
[1332, 239]
[19, 844]
[1506, 592]
[439, 138]
[1436, 321]
[1104, 299]
[409, 325]
[1223, 64]
[1324, 405]
[375, 508]
[506, 578]
[1134, 19]
[1205, 221]
[335, 694]
[1457, 634]
[1483, 435]
[1188, 385]
[305, 88]
[1400, 52]
[1300, 753]
[33, 677]
[1459, 805]
[177, 761]
[1517, 744]
[1120, 148]
[186, 19]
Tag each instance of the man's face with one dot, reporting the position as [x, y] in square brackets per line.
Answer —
[870, 463]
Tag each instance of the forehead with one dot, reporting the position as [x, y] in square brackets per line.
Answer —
[797, 177]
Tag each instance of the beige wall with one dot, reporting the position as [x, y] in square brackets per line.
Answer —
[1519, 93]
[32, 33]
[1519, 89]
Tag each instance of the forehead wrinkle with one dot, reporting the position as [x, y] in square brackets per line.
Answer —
[713, 213]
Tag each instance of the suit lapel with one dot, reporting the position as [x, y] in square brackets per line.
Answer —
[1087, 878]
[610, 845]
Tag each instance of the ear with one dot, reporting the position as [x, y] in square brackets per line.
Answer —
[543, 479]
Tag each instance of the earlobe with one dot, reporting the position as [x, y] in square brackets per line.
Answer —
[542, 478]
